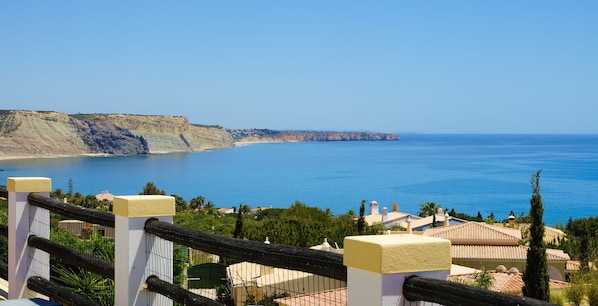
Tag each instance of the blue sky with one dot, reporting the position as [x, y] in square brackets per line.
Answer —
[388, 66]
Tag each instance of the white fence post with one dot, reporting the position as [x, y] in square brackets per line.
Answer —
[378, 265]
[24, 220]
[139, 255]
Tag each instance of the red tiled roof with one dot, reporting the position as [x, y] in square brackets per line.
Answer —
[511, 283]
[476, 233]
[501, 252]
[334, 297]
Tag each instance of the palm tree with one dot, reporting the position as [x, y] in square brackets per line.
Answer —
[428, 209]
[197, 202]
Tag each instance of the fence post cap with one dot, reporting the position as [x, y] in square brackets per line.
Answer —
[28, 184]
[389, 254]
[143, 206]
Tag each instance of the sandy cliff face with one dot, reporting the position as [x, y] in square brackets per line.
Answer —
[44, 134]
[174, 134]
[28, 134]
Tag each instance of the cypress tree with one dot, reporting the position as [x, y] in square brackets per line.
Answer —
[536, 270]
[361, 219]
[238, 233]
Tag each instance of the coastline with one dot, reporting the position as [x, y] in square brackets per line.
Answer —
[236, 144]
[14, 157]
[246, 143]
[24, 157]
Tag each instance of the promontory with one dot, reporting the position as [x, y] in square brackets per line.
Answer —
[28, 134]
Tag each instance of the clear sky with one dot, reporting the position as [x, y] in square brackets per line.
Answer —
[387, 66]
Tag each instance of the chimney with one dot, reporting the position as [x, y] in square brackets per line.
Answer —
[512, 221]
[409, 231]
[265, 270]
[374, 208]
[446, 219]
[384, 214]
[326, 245]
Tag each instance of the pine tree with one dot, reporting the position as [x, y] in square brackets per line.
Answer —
[536, 270]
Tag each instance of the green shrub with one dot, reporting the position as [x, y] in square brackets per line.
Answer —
[557, 298]
[575, 292]
[592, 288]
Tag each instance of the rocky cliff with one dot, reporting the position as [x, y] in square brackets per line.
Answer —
[267, 135]
[45, 134]
[25, 134]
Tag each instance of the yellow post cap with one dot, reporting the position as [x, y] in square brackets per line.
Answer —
[28, 184]
[143, 206]
[389, 254]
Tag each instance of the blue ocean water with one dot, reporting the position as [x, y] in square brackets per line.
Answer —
[470, 173]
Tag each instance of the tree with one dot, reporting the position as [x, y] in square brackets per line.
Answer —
[427, 209]
[238, 233]
[151, 189]
[70, 185]
[197, 202]
[210, 207]
[179, 202]
[483, 279]
[582, 240]
[536, 271]
[361, 221]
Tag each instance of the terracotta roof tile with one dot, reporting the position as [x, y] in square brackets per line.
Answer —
[391, 216]
[510, 283]
[334, 297]
[476, 233]
[501, 252]
[551, 234]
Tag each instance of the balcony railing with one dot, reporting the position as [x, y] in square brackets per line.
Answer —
[378, 270]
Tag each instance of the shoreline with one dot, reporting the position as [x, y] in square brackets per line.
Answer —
[14, 157]
[28, 157]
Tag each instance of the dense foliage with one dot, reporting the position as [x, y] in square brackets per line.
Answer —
[88, 284]
[3, 240]
[303, 226]
[582, 242]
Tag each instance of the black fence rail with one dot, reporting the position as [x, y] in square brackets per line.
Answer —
[73, 257]
[177, 293]
[71, 211]
[91, 263]
[281, 256]
[57, 293]
[326, 264]
[455, 294]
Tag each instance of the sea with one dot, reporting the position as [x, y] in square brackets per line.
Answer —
[468, 173]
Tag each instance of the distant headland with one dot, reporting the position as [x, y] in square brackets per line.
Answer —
[39, 134]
